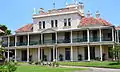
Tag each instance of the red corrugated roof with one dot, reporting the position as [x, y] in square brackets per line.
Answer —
[91, 20]
[117, 28]
[25, 28]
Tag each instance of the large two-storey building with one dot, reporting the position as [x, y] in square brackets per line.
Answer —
[65, 34]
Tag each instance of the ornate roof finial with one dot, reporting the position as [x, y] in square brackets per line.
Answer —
[54, 4]
[97, 14]
[66, 3]
[88, 13]
[34, 11]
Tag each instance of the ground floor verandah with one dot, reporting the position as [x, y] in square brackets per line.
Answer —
[61, 53]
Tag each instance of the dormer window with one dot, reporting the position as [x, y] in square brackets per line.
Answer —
[65, 22]
[43, 24]
[52, 23]
[40, 25]
[69, 21]
[56, 22]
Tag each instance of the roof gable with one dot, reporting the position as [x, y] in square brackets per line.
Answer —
[88, 21]
[25, 28]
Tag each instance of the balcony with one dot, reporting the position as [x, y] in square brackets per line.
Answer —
[12, 44]
[106, 38]
[79, 39]
[35, 42]
[21, 43]
[5, 44]
[48, 41]
[63, 41]
[94, 39]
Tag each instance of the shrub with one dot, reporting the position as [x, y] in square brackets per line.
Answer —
[97, 58]
[38, 63]
[55, 64]
[10, 66]
[30, 62]
[79, 57]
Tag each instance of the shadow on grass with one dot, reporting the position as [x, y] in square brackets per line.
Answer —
[114, 63]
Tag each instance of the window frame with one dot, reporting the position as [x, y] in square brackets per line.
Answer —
[65, 22]
[56, 23]
[43, 24]
[52, 23]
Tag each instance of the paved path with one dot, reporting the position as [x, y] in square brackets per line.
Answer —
[93, 69]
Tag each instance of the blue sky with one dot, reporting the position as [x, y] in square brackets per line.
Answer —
[17, 13]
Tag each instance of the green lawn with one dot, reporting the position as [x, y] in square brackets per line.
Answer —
[104, 64]
[33, 68]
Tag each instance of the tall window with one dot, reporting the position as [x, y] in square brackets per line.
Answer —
[69, 21]
[56, 22]
[65, 22]
[40, 25]
[43, 24]
[52, 23]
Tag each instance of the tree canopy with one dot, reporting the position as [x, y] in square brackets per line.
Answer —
[5, 30]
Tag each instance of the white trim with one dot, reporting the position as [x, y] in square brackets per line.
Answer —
[54, 14]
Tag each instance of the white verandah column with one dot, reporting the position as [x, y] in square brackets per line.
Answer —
[28, 40]
[53, 53]
[88, 52]
[88, 35]
[15, 47]
[118, 35]
[38, 54]
[71, 53]
[114, 55]
[113, 34]
[15, 40]
[27, 54]
[41, 54]
[100, 35]
[71, 36]
[101, 57]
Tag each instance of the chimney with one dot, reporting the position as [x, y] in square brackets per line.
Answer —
[97, 14]
[88, 14]
[41, 10]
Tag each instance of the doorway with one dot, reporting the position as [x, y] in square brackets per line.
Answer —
[24, 55]
[92, 53]
[67, 37]
[67, 53]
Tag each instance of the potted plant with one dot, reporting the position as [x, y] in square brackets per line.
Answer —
[61, 57]
[44, 58]
[79, 57]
